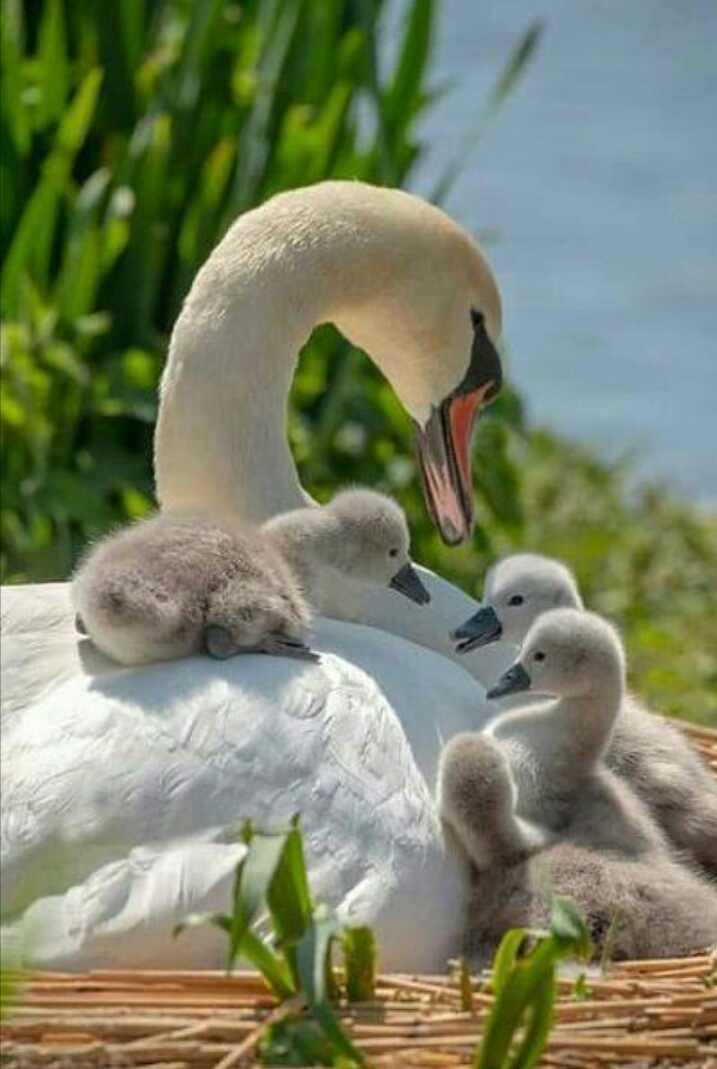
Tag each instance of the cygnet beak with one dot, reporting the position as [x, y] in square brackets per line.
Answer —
[407, 582]
[444, 443]
[283, 646]
[482, 628]
[511, 682]
[220, 644]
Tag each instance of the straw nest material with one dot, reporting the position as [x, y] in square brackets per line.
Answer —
[637, 1014]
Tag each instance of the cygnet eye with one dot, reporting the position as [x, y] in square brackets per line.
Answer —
[539, 656]
[517, 599]
[393, 552]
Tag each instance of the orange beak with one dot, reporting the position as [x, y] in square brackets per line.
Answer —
[444, 443]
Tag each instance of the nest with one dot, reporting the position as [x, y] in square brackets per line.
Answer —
[635, 1015]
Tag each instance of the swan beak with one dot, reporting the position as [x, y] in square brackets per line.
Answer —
[511, 682]
[444, 443]
[407, 582]
[482, 628]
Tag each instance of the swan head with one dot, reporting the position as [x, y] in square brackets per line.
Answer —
[374, 542]
[567, 653]
[427, 310]
[518, 589]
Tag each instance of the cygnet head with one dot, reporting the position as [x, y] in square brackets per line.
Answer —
[373, 542]
[246, 617]
[518, 589]
[567, 653]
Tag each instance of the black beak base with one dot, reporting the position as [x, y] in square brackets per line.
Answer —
[513, 681]
[482, 628]
[407, 582]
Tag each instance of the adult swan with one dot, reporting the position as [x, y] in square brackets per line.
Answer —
[118, 784]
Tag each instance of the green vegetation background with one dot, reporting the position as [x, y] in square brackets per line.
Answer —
[132, 134]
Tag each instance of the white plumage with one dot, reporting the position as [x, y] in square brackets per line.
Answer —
[127, 758]
[114, 778]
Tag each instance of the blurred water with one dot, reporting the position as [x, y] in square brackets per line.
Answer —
[596, 192]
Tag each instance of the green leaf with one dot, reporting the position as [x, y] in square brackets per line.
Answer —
[200, 920]
[31, 248]
[13, 103]
[514, 68]
[52, 62]
[313, 952]
[273, 969]
[465, 986]
[540, 1022]
[255, 874]
[298, 1041]
[506, 957]
[359, 951]
[288, 896]
[400, 101]
[520, 997]
[568, 926]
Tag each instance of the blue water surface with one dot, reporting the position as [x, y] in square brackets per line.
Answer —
[596, 193]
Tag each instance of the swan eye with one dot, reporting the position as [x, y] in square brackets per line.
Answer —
[477, 318]
[517, 599]
[539, 656]
[393, 552]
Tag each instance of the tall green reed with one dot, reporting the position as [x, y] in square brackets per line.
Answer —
[133, 133]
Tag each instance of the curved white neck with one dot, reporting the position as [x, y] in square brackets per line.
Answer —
[221, 440]
[220, 443]
[315, 255]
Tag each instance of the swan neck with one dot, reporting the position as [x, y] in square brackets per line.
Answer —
[221, 437]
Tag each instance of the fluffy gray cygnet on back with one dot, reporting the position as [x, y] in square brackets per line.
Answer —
[532, 806]
[646, 750]
[174, 585]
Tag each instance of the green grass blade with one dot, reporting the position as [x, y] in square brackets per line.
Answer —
[465, 986]
[359, 950]
[275, 972]
[255, 875]
[313, 952]
[13, 101]
[200, 920]
[401, 100]
[9, 991]
[52, 63]
[513, 70]
[31, 248]
[288, 896]
[518, 993]
[568, 926]
[506, 957]
[540, 1022]
[282, 20]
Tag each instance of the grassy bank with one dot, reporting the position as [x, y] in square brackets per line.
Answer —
[132, 135]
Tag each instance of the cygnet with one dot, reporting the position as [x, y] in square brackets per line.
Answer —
[647, 906]
[652, 754]
[174, 585]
